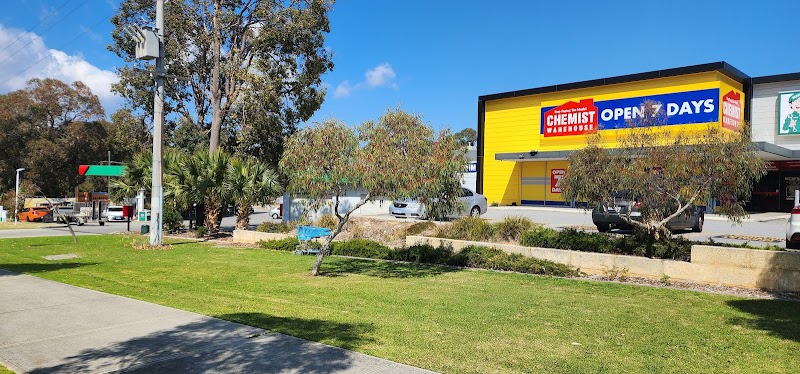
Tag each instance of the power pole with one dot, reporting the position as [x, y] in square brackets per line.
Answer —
[157, 198]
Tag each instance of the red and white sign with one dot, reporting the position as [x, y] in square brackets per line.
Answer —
[571, 118]
[732, 111]
[555, 175]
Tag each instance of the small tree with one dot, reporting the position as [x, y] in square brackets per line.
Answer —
[397, 156]
[665, 171]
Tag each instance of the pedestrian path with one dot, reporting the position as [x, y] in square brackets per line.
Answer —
[49, 327]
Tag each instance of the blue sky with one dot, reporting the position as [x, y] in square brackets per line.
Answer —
[434, 58]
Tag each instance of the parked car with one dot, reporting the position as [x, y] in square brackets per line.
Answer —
[607, 218]
[113, 213]
[275, 213]
[31, 214]
[793, 229]
[473, 204]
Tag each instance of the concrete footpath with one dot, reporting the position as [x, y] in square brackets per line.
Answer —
[49, 327]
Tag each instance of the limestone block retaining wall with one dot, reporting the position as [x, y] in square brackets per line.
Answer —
[748, 268]
[252, 237]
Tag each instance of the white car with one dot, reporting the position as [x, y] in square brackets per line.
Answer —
[113, 213]
[474, 205]
[275, 213]
[793, 229]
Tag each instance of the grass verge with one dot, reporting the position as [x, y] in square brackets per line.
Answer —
[438, 318]
[22, 225]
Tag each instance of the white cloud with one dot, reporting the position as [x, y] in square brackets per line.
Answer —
[380, 76]
[343, 89]
[18, 65]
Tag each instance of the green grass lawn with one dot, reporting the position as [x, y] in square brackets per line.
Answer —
[4, 370]
[437, 318]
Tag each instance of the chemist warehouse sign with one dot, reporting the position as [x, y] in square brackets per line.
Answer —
[702, 106]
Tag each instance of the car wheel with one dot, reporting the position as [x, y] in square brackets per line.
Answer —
[475, 212]
[274, 216]
[603, 228]
[792, 245]
[698, 226]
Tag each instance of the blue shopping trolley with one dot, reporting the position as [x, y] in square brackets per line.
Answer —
[307, 233]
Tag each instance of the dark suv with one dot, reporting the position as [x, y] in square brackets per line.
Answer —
[607, 218]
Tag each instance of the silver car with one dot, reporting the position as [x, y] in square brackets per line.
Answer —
[473, 204]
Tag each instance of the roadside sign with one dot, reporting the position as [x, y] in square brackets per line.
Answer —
[101, 170]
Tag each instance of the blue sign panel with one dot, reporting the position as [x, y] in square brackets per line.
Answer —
[679, 108]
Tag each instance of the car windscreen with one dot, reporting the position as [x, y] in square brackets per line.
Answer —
[115, 209]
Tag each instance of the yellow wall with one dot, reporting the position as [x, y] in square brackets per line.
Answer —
[513, 125]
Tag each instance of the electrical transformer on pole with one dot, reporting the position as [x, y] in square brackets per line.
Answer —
[150, 45]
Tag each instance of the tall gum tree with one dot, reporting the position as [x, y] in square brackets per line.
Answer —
[394, 157]
[267, 51]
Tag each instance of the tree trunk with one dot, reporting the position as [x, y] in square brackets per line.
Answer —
[242, 216]
[318, 262]
[213, 210]
[216, 83]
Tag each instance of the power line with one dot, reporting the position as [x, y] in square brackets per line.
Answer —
[45, 31]
[37, 25]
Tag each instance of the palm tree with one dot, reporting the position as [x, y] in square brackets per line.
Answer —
[249, 181]
[200, 178]
[138, 174]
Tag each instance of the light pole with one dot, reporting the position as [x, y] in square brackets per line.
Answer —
[16, 196]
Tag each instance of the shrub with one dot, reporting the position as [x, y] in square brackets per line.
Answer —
[540, 237]
[327, 221]
[423, 253]
[493, 258]
[275, 227]
[511, 228]
[356, 232]
[172, 220]
[419, 227]
[288, 244]
[583, 241]
[200, 231]
[360, 248]
[470, 228]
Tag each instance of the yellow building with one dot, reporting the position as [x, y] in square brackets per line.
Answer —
[525, 137]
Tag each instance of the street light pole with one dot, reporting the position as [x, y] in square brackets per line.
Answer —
[16, 196]
[157, 198]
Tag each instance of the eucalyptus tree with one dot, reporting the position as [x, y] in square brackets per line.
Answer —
[665, 171]
[269, 52]
[396, 156]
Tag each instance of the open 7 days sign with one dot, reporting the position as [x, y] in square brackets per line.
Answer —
[587, 115]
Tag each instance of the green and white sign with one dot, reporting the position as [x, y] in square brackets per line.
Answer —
[789, 113]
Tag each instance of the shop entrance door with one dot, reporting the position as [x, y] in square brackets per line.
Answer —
[790, 181]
